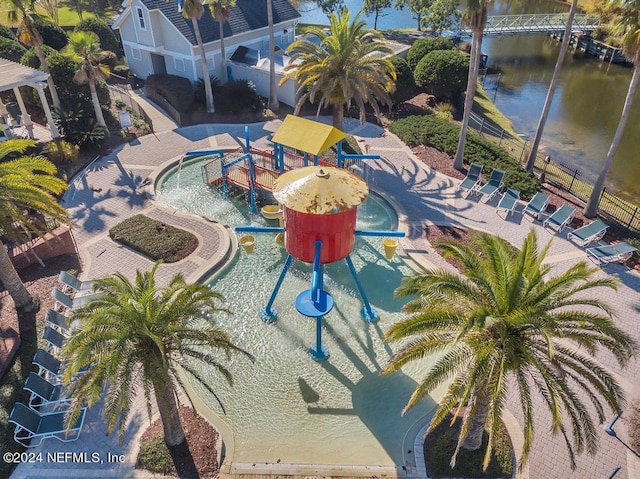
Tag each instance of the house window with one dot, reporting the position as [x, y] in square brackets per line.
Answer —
[143, 25]
[135, 53]
[178, 64]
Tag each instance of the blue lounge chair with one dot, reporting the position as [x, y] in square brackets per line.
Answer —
[57, 321]
[48, 365]
[560, 218]
[537, 204]
[493, 185]
[606, 254]
[31, 425]
[509, 201]
[44, 393]
[53, 339]
[64, 302]
[594, 231]
[71, 283]
[472, 179]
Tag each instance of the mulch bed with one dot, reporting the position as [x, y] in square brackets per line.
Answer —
[197, 456]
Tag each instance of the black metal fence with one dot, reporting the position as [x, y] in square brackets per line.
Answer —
[611, 207]
[118, 93]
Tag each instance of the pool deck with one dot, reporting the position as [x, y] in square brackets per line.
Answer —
[117, 186]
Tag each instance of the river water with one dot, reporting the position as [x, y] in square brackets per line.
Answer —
[587, 103]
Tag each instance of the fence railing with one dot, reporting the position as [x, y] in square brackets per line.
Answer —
[611, 207]
[118, 93]
[164, 104]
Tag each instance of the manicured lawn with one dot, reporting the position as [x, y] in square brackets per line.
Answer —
[67, 17]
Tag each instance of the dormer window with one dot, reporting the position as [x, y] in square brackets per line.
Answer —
[141, 22]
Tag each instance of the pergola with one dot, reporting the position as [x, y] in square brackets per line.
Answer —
[12, 76]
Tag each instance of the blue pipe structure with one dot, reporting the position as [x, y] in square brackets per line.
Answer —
[367, 313]
[259, 229]
[395, 234]
[269, 313]
[247, 144]
[204, 153]
[320, 300]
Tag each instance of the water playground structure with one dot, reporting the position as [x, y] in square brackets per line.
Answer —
[317, 206]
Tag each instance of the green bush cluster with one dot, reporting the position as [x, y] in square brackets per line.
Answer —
[11, 49]
[177, 90]
[6, 32]
[121, 70]
[64, 152]
[427, 45]
[443, 135]
[154, 456]
[239, 96]
[52, 35]
[108, 39]
[154, 238]
[441, 443]
[404, 75]
[443, 73]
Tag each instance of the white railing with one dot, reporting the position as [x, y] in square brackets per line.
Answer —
[535, 23]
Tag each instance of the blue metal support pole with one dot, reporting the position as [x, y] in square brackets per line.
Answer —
[395, 234]
[318, 353]
[315, 160]
[247, 144]
[281, 154]
[306, 159]
[252, 186]
[339, 154]
[269, 314]
[258, 229]
[367, 313]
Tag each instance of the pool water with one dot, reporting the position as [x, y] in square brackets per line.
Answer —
[286, 407]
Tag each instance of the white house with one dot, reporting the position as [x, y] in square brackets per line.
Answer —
[158, 39]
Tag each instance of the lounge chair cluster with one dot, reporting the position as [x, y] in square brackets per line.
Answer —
[555, 222]
[45, 413]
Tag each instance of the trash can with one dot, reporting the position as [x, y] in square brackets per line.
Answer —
[13, 109]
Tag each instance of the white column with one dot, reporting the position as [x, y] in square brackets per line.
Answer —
[26, 118]
[47, 111]
[4, 113]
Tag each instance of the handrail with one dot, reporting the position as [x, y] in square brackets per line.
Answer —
[534, 23]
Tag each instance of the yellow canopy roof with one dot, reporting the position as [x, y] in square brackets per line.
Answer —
[307, 135]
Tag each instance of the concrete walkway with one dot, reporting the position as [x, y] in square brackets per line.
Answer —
[114, 188]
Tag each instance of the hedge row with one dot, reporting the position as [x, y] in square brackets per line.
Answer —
[154, 238]
[443, 135]
[178, 91]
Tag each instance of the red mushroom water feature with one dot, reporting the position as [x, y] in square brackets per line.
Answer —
[320, 204]
[319, 207]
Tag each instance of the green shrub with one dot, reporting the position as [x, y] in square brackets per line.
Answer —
[107, 37]
[404, 75]
[443, 135]
[426, 45]
[443, 73]
[80, 127]
[239, 96]
[11, 49]
[6, 32]
[121, 70]
[109, 58]
[178, 91]
[154, 238]
[52, 35]
[440, 445]
[64, 153]
[200, 94]
[30, 58]
[445, 111]
[154, 456]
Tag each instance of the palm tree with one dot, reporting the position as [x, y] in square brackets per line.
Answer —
[274, 104]
[347, 65]
[84, 48]
[475, 17]
[531, 160]
[221, 12]
[193, 10]
[506, 322]
[628, 25]
[139, 335]
[23, 11]
[27, 184]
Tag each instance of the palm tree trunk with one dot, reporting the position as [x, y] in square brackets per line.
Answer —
[52, 87]
[473, 441]
[205, 68]
[338, 116]
[168, 408]
[12, 282]
[472, 80]
[274, 104]
[225, 77]
[552, 89]
[96, 102]
[591, 209]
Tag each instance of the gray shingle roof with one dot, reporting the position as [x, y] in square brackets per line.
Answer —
[247, 15]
